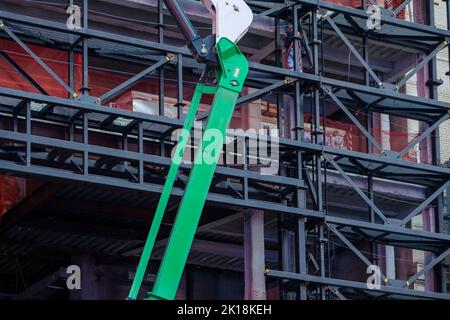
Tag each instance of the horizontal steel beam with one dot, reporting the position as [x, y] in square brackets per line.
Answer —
[147, 158]
[324, 281]
[440, 239]
[378, 92]
[358, 13]
[68, 176]
[164, 49]
[84, 106]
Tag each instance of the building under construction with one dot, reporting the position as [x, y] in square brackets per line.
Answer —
[357, 92]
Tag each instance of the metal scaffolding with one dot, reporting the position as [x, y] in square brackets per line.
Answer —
[70, 156]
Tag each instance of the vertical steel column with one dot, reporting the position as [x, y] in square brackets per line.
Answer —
[180, 93]
[161, 93]
[436, 141]
[254, 256]
[71, 71]
[278, 63]
[245, 152]
[299, 133]
[448, 28]
[444, 272]
[140, 141]
[318, 132]
[161, 69]
[85, 87]
[14, 124]
[86, 143]
[125, 141]
[296, 37]
[283, 243]
[369, 128]
[71, 66]
[28, 132]
[436, 145]
[371, 195]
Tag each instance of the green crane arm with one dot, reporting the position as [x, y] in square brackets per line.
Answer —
[231, 74]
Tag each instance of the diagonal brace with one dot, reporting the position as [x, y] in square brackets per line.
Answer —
[353, 248]
[23, 73]
[357, 189]
[353, 118]
[354, 51]
[37, 59]
[260, 93]
[337, 293]
[426, 268]
[424, 135]
[401, 7]
[426, 203]
[311, 188]
[132, 81]
[421, 64]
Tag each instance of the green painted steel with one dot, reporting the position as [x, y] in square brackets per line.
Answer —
[170, 180]
[231, 77]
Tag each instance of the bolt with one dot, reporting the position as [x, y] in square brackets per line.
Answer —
[204, 51]
[236, 7]
[234, 83]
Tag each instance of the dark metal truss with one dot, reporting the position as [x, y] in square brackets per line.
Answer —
[25, 151]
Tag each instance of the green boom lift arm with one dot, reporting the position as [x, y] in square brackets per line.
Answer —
[231, 20]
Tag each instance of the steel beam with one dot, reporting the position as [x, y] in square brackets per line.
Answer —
[133, 80]
[357, 189]
[353, 118]
[423, 136]
[426, 203]
[391, 290]
[35, 57]
[422, 63]
[23, 73]
[353, 249]
[427, 267]
[353, 50]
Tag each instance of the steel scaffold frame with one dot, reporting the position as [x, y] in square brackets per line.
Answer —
[69, 160]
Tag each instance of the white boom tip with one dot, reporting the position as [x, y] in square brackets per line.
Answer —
[231, 19]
